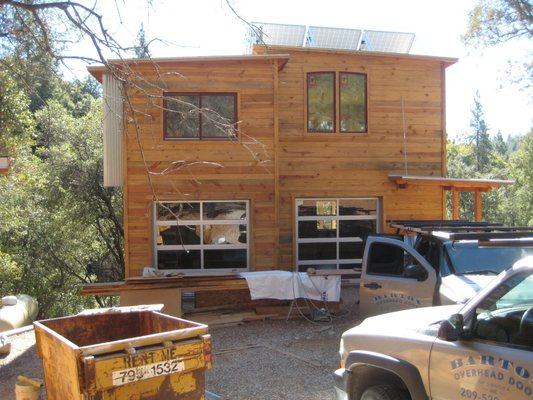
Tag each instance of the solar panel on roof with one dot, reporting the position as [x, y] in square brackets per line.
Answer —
[279, 34]
[330, 38]
[392, 42]
[333, 38]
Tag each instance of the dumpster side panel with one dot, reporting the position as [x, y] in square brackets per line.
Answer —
[156, 373]
[60, 365]
[187, 386]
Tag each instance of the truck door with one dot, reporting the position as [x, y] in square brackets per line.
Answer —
[495, 361]
[394, 277]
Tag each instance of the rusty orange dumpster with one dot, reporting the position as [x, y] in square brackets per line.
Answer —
[123, 353]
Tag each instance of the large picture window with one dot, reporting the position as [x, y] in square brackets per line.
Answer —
[204, 235]
[336, 102]
[331, 233]
[200, 116]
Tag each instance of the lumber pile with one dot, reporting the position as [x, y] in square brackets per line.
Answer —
[222, 316]
[186, 283]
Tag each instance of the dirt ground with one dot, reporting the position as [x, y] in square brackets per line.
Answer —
[272, 359]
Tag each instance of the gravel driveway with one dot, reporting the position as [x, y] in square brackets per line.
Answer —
[272, 359]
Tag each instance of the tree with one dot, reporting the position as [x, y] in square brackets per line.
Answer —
[500, 146]
[519, 207]
[60, 227]
[141, 48]
[496, 21]
[510, 205]
[480, 136]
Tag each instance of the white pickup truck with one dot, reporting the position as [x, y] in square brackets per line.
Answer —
[438, 269]
[482, 350]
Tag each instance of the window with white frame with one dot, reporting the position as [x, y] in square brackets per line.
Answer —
[201, 235]
[331, 233]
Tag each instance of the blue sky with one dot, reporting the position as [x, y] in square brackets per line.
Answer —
[208, 27]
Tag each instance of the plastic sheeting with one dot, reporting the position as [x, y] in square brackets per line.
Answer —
[285, 285]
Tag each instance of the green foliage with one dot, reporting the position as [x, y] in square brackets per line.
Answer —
[16, 120]
[11, 274]
[60, 227]
[496, 21]
[510, 205]
[479, 156]
[480, 136]
[519, 210]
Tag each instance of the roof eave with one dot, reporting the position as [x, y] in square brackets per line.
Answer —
[447, 61]
[98, 70]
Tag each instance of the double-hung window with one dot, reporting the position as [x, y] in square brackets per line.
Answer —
[199, 116]
[331, 233]
[336, 102]
[201, 235]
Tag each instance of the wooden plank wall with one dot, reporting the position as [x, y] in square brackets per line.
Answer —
[307, 164]
[248, 165]
[357, 165]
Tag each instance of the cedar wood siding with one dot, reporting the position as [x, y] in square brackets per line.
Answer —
[272, 110]
[357, 165]
[242, 176]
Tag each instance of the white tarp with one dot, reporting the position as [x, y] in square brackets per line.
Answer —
[285, 285]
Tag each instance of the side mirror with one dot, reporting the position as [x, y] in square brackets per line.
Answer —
[451, 329]
[415, 271]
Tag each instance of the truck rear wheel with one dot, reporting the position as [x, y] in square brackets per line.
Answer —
[385, 392]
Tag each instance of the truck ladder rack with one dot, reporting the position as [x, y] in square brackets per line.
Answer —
[463, 230]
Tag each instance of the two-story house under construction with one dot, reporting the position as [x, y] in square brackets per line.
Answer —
[286, 158]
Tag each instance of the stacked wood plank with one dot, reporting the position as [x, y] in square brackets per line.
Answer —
[186, 283]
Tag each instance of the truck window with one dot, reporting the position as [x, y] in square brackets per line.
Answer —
[388, 259]
[429, 249]
[474, 258]
[506, 315]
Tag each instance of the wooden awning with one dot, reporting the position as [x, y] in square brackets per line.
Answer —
[454, 184]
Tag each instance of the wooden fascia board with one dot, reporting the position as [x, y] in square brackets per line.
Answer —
[98, 70]
[462, 185]
[272, 49]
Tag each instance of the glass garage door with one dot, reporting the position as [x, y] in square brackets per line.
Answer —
[202, 235]
[331, 233]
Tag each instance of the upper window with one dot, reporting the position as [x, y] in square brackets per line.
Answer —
[321, 102]
[322, 110]
[200, 116]
[352, 112]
